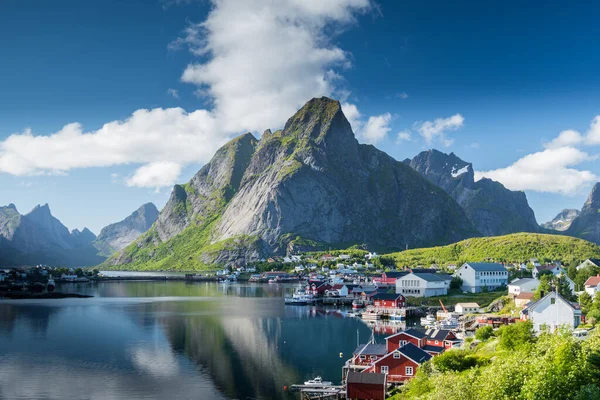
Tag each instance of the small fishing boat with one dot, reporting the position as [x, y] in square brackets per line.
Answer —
[318, 381]
[397, 317]
[428, 320]
[300, 298]
[449, 323]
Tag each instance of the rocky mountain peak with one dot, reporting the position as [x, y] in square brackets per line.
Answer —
[593, 200]
[563, 220]
[11, 205]
[587, 224]
[320, 120]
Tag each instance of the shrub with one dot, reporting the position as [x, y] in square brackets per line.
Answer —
[484, 333]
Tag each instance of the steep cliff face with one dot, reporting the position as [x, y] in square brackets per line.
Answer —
[587, 223]
[491, 208]
[120, 234]
[310, 185]
[40, 238]
[562, 221]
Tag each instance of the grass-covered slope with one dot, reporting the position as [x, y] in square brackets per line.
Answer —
[517, 247]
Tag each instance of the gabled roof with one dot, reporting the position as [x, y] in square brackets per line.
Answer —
[533, 305]
[481, 266]
[387, 296]
[369, 378]
[546, 267]
[522, 281]
[525, 296]
[415, 333]
[395, 274]
[437, 334]
[592, 281]
[371, 349]
[468, 305]
[415, 353]
[432, 277]
[595, 261]
[434, 349]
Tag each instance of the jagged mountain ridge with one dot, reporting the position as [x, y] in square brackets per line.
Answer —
[562, 221]
[118, 235]
[39, 238]
[491, 208]
[587, 224]
[310, 185]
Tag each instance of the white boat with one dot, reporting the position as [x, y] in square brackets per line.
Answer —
[428, 320]
[449, 323]
[318, 381]
[300, 298]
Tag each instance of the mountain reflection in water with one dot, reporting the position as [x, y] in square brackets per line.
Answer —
[169, 340]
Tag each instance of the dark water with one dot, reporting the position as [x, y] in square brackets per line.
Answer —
[169, 340]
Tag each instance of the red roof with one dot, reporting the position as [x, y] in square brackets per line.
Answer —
[593, 281]
[525, 296]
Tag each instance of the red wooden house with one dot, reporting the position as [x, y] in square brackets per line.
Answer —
[388, 301]
[441, 337]
[389, 278]
[414, 336]
[365, 354]
[400, 364]
[366, 386]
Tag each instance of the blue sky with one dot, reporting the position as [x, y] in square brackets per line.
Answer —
[494, 83]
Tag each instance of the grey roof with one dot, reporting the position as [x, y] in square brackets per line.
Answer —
[434, 349]
[481, 266]
[521, 281]
[415, 353]
[386, 296]
[437, 334]
[366, 289]
[371, 349]
[369, 378]
[395, 274]
[596, 261]
[532, 305]
[433, 277]
[415, 333]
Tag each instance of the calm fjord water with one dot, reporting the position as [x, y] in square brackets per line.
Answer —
[168, 340]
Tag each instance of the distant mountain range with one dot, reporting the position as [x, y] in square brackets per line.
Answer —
[310, 186]
[39, 238]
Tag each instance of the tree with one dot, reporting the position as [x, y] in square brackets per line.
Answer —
[516, 336]
[456, 283]
[586, 302]
[484, 333]
[454, 360]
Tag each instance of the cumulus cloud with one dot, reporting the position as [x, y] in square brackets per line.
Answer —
[404, 136]
[546, 171]
[376, 128]
[156, 174]
[565, 138]
[261, 61]
[436, 130]
[173, 93]
[593, 135]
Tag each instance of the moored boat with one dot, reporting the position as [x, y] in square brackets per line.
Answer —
[300, 298]
[428, 320]
[318, 381]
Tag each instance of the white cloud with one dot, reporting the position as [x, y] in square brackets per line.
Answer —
[546, 171]
[264, 59]
[404, 136]
[173, 93]
[593, 135]
[156, 175]
[376, 128]
[402, 95]
[435, 130]
[565, 138]
[353, 116]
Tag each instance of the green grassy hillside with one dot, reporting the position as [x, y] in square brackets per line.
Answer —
[516, 247]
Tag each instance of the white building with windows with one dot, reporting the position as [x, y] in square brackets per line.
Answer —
[523, 285]
[423, 284]
[477, 276]
[553, 311]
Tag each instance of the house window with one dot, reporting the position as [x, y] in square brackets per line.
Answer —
[384, 369]
[373, 358]
[409, 371]
[402, 342]
[363, 358]
[553, 301]
[436, 342]
[397, 355]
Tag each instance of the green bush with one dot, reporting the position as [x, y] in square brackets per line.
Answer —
[484, 333]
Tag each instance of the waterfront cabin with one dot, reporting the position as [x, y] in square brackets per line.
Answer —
[423, 284]
[592, 285]
[388, 301]
[366, 386]
[553, 311]
[401, 364]
[444, 338]
[467, 308]
[366, 354]
[477, 276]
[411, 335]
[523, 285]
